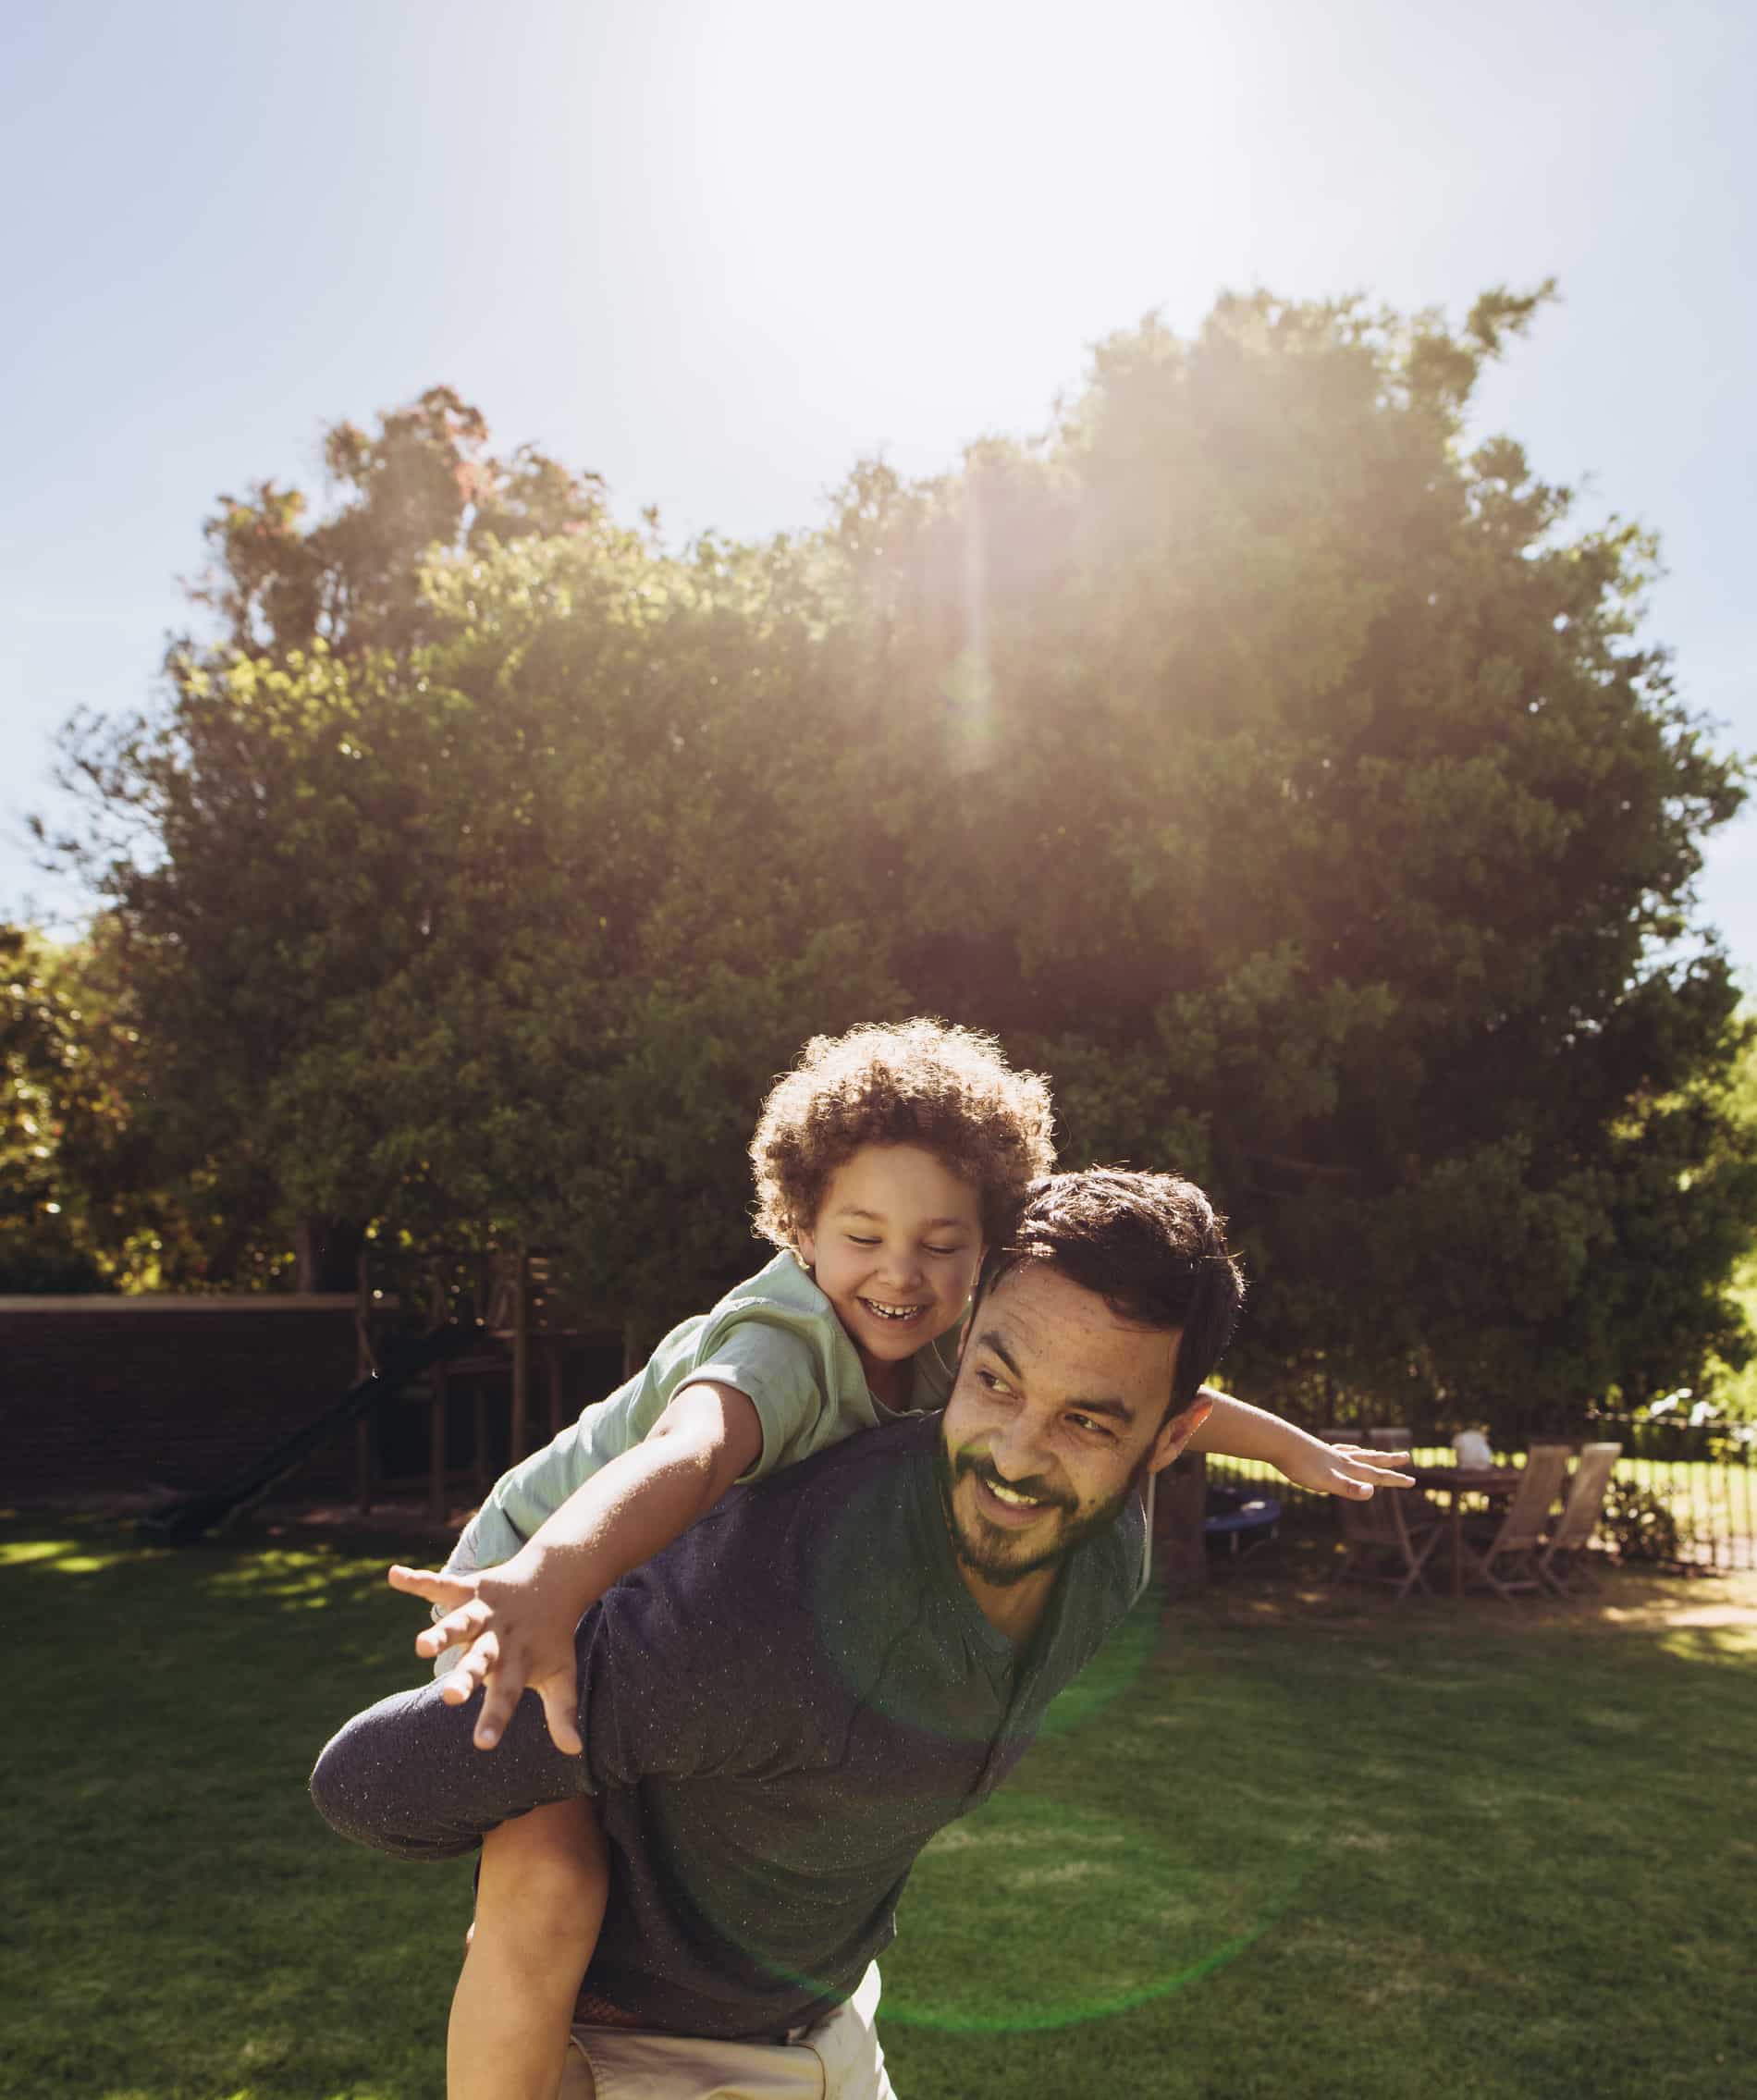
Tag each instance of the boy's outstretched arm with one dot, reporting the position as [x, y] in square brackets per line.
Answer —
[519, 1617]
[1237, 1430]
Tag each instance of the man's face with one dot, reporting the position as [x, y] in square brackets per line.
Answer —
[1057, 1412]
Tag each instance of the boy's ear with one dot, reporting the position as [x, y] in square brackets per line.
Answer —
[1175, 1435]
[805, 1248]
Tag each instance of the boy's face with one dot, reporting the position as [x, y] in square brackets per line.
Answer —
[895, 1249]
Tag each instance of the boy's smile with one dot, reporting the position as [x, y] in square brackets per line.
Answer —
[895, 1249]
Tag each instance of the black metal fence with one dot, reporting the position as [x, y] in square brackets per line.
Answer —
[1684, 1493]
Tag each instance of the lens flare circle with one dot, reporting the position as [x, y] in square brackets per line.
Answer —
[1033, 1914]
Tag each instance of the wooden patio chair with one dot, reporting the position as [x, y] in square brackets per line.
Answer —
[1563, 1560]
[1505, 1558]
[1386, 1542]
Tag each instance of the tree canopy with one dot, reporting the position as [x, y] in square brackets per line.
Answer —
[1314, 816]
[1278, 769]
[74, 1213]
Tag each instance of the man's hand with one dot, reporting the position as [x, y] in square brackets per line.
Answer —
[1349, 1470]
[520, 1633]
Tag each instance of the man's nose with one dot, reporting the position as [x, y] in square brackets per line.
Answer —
[1016, 1450]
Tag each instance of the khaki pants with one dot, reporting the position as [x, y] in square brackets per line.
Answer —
[837, 2060]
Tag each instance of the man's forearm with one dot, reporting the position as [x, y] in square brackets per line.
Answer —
[1237, 1430]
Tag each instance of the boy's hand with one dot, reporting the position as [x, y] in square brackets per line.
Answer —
[517, 1637]
[1349, 1470]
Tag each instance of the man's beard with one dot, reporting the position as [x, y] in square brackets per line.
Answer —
[989, 1556]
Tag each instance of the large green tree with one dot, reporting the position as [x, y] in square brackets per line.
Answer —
[1275, 764]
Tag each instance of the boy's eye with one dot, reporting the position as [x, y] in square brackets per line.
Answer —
[855, 1240]
[942, 1250]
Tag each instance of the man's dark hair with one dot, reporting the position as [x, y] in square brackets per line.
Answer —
[1151, 1245]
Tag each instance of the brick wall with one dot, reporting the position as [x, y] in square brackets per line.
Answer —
[118, 1395]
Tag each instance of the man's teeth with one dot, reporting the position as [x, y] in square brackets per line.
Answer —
[891, 1311]
[1010, 1495]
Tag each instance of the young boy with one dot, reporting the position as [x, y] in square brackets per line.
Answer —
[886, 1163]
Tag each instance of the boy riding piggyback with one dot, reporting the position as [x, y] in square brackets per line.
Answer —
[887, 1163]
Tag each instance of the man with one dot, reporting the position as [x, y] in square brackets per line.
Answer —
[780, 1709]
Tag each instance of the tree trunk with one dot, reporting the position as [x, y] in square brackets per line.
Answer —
[326, 1255]
[1180, 1549]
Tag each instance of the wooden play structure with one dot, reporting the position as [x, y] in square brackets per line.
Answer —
[535, 1361]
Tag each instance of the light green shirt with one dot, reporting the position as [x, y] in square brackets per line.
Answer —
[776, 1339]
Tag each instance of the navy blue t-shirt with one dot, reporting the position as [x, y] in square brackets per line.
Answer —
[779, 1711]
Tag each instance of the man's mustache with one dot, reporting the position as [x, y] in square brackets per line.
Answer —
[979, 1465]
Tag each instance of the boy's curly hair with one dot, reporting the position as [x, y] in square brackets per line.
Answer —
[947, 1090]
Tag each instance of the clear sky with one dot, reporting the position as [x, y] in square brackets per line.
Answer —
[718, 249]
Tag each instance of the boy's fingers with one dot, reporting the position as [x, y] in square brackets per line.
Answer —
[1361, 1470]
[500, 1702]
[1384, 1466]
[464, 1624]
[561, 1696]
[429, 1582]
[456, 1684]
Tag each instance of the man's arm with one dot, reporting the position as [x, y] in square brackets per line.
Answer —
[1236, 1429]
[520, 1617]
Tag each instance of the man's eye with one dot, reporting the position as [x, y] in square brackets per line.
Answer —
[993, 1383]
[1092, 1423]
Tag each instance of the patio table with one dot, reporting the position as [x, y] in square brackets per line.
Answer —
[1454, 1482]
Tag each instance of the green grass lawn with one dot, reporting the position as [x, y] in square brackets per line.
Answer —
[1278, 1844]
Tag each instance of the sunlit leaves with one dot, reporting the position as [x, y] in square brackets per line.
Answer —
[1258, 756]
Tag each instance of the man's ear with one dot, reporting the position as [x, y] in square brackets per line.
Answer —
[970, 1303]
[974, 1299]
[1174, 1434]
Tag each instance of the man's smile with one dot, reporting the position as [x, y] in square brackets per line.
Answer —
[1010, 1505]
[1010, 1495]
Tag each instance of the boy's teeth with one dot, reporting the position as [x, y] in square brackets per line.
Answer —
[891, 1311]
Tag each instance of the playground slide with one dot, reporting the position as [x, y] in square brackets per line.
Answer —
[184, 1521]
